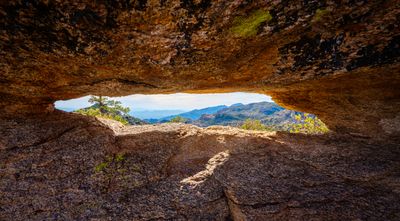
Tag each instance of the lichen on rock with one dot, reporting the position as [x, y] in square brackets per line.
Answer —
[248, 26]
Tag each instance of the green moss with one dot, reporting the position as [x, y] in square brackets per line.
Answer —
[119, 157]
[112, 170]
[115, 159]
[247, 27]
[319, 14]
[101, 167]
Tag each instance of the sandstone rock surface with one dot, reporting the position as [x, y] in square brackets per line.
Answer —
[182, 172]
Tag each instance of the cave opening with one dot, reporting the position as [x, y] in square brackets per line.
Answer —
[248, 111]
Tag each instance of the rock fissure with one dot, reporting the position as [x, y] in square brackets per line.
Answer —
[45, 140]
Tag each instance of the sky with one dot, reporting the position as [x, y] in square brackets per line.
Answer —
[180, 101]
[162, 105]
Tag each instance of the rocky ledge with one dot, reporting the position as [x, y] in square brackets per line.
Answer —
[71, 167]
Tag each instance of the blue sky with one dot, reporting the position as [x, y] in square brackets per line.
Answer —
[180, 101]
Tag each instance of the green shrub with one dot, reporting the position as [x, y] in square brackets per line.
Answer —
[112, 168]
[308, 125]
[251, 124]
[101, 167]
[96, 113]
[178, 119]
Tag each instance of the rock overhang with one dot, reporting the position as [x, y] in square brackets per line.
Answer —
[337, 60]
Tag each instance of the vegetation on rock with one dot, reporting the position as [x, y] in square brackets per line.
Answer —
[110, 109]
[308, 124]
[305, 123]
[97, 113]
[265, 116]
[178, 119]
[319, 14]
[251, 124]
[247, 27]
[112, 168]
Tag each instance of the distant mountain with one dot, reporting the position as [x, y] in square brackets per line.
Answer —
[267, 112]
[191, 115]
[237, 104]
[154, 114]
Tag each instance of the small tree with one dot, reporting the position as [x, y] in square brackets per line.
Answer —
[106, 108]
[99, 101]
[106, 105]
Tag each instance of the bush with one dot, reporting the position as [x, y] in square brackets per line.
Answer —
[96, 113]
[308, 125]
[178, 119]
[251, 124]
[112, 168]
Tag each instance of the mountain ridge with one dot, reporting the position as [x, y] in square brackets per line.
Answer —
[268, 113]
[191, 115]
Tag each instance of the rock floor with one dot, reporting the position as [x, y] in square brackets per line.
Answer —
[64, 166]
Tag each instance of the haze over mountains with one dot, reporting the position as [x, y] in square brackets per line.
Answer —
[155, 114]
